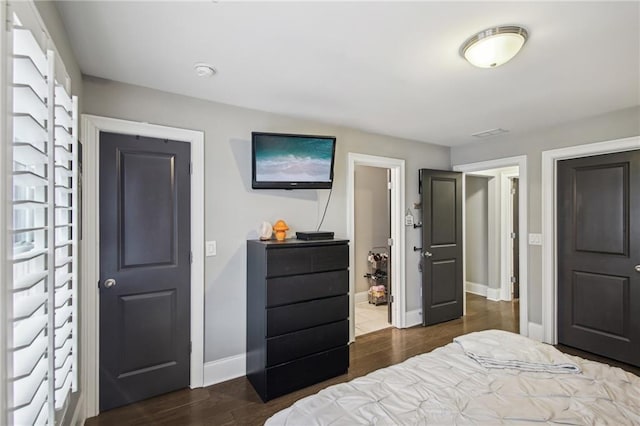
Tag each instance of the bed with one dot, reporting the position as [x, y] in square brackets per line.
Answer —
[489, 377]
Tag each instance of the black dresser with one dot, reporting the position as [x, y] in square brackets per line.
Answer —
[297, 313]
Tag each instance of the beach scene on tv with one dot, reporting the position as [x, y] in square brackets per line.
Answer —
[293, 159]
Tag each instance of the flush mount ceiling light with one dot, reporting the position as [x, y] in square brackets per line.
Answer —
[495, 46]
[204, 70]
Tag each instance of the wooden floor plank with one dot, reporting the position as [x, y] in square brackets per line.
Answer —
[236, 403]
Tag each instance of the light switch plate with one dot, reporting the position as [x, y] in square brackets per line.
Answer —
[210, 248]
[535, 239]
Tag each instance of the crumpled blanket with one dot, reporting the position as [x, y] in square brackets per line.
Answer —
[447, 387]
[502, 349]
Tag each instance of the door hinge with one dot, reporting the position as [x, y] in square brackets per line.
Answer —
[190, 347]
[190, 168]
[190, 257]
[513, 235]
[391, 298]
[390, 242]
[389, 185]
[513, 280]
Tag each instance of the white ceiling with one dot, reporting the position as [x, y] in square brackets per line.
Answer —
[385, 67]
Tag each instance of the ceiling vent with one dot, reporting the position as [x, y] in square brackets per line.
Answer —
[489, 133]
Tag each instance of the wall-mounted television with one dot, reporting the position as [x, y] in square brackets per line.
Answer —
[288, 161]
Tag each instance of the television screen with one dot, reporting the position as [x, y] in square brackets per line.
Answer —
[285, 161]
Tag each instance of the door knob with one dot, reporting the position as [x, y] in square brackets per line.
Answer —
[108, 283]
[427, 254]
[637, 268]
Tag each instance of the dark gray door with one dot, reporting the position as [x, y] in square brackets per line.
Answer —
[515, 240]
[145, 252]
[442, 290]
[599, 255]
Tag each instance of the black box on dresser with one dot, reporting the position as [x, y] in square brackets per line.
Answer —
[297, 313]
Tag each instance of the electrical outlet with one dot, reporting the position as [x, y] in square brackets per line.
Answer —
[210, 248]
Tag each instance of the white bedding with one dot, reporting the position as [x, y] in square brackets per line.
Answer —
[502, 349]
[446, 387]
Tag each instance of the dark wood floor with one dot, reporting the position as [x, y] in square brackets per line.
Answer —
[235, 402]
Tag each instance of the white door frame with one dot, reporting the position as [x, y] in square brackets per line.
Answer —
[500, 222]
[521, 162]
[549, 217]
[396, 167]
[90, 302]
[506, 242]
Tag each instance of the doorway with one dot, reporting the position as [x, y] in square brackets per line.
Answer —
[144, 267]
[492, 236]
[373, 263]
[92, 127]
[550, 160]
[488, 189]
[396, 244]
[599, 254]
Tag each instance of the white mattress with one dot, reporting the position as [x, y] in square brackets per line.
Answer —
[446, 387]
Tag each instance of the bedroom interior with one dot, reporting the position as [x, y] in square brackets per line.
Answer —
[453, 189]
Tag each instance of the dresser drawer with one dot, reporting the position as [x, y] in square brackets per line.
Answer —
[306, 342]
[288, 318]
[294, 261]
[303, 372]
[298, 288]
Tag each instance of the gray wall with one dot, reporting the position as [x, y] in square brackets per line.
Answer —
[372, 218]
[477, 229]
[614, 125]
[233, 210]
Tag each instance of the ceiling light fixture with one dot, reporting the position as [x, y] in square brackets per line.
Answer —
[495, 46]
[204, 70]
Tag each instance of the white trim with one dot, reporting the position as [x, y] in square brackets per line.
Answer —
[90, 131]
[506, 243]
[536, 331]
[476, 288]
[361, 297]
[464, 243]
[413, 318]
[6, 211]
[225, 369]
[483, 290]
[398, 264]
[549, 243]
[521, 162]
[493, 294]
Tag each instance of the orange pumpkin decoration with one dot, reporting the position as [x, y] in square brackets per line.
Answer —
[280, 229]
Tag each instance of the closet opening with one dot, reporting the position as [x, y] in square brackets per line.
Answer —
[372, 226]
[492, 239]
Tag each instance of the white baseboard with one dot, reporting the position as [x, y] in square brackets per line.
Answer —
[483, 290]
[362, 296]
[493, 294]
[476, 288]
[536, 332]
[505, 293]
[413, 318]
[225, 369]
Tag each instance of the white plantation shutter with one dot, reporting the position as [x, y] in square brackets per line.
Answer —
[42, 334]
[65, 238]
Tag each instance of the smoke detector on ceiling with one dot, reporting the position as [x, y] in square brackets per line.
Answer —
[204, 70]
